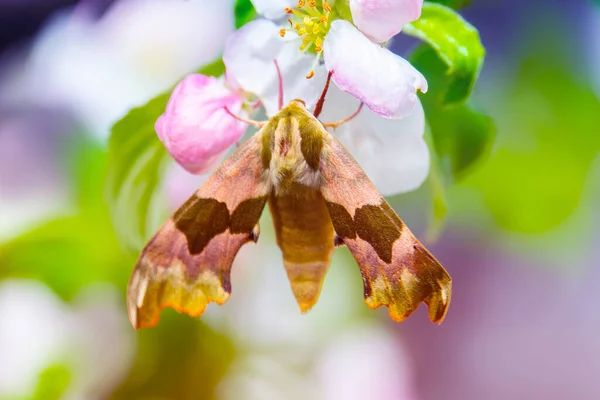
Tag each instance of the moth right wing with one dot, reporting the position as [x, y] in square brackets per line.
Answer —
[187, 263]
[397, 270]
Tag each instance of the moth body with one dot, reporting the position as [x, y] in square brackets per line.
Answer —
[319, 198]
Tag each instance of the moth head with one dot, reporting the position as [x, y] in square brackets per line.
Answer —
[293, 108]
[300, 102]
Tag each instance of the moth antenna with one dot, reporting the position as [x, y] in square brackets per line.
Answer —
[319, 106]
[280, 82]
[258, 124]
[343, 121]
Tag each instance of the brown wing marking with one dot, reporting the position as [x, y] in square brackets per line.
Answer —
[187, 263]
[397, 270]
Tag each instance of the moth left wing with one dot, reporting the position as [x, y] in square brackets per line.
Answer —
[187, 263]
[397, 270]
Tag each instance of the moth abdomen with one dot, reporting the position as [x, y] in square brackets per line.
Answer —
[305, 235]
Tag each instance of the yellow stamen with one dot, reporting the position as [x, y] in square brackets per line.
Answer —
[315, 62]
[282, 32]
[306, 43]
[311, 24]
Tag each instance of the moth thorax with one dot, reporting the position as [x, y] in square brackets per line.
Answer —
[287, 162]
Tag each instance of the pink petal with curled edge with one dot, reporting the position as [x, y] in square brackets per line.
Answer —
[385, 82]
[380, 20]
[195, 128]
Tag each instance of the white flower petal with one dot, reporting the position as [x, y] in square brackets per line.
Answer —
[272, 9]
[386, 83]
[380, 20]
[93, 339]
[249, 57]
[393, 153]
[366, 362]
[138, 49]
[101, 342]
[29, 308]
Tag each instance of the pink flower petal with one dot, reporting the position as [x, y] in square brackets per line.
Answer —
[249, 57]
[380, 20]
[386, 83]
[195, 127]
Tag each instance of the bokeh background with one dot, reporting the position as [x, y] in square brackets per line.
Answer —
[517, 228]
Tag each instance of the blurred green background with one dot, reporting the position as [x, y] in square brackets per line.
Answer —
[510, 209]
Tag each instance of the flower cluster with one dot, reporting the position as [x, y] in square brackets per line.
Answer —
[306, 40]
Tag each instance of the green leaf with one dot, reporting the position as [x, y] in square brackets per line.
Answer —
[215, 68]
[436, 184]
[53, 383]
[547, 143]
[457, 44]
[136, 165]
[455, 4]
[461, 136]
[244, 12]
[72, 251]
[341, 10]
[66, 254]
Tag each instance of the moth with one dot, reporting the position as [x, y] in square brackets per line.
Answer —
[319, 198]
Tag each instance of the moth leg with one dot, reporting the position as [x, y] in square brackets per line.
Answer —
[343, 121]
[257, 124]
[338, 241]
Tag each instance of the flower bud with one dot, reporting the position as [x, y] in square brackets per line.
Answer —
[196, 129]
